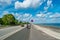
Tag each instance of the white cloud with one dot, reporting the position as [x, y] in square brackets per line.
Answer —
[40, 15]
[17, 14]
[19, 17]
[46, 8]
[5, 12]
[48, 17]
[28, 3]
[49, 2]
[25, 4]
[27, 15]
[5, 1]
[56, 15]
[22, 17]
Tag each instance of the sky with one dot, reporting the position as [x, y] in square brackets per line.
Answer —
[41, 11]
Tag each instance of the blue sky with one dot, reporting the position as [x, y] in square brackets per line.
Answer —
[41, 11]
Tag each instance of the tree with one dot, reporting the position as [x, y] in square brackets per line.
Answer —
[16, 22]
[1, 22]
[8, 19]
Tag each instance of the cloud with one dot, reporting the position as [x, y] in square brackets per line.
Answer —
[5, 12]
[27, 17]
[5, 2]
[49, 17]
[39, 18]
[19, 17]
[49, 4]
[22, 17]
[17, 14]
[40, 15]
[28, 3]
[43, 15]
[46, 8]
[56, 15]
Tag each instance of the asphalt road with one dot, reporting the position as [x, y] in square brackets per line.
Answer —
[39, 35]
[5, 31]
[30, 34]
[20, 35]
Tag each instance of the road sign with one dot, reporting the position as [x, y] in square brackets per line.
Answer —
[32, 21]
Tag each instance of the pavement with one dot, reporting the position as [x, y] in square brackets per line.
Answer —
[20, 35]
[30, 34]
[5, 32]
[39, 35]
[48, 31]
[54, 29]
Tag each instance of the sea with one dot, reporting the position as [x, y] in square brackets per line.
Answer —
[56, 25]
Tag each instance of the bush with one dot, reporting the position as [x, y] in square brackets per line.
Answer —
[1, 22]
[22, 24]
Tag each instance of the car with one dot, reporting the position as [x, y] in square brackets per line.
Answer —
[28, 26]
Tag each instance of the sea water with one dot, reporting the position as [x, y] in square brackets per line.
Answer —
[57, 25]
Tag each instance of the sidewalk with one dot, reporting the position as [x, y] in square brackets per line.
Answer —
[6, 32]
[48, 31]
[52, 28]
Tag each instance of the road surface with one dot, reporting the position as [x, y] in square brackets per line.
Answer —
[20, 35]
[30, 34]
[8, 30]
[39, 35]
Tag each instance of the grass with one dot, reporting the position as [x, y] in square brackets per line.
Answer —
[1, 27]
[5, 26]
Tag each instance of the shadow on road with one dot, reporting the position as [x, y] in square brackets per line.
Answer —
[21, 35]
